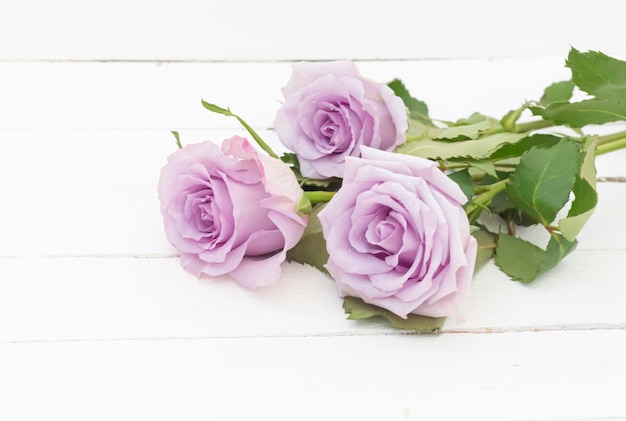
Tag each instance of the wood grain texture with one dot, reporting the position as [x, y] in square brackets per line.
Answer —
[111, 297]
[87, 221]
[167, 95]
[99, 321]
[511, 376]
[285, 30]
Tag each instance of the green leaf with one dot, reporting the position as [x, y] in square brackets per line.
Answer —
[515, 150]
[517, 217]
[177, 137]
[485, 165]
[477, 149]
[420, 130]
[510, 118]
[326, 184]
[585, 195]
[417, 108]
[557, 249]
[226, 111]
[464, 180]
[501, 203]
[357, 309]
[486, 246]
[290, 159]
[305, 207]
[311, 249]
[536, 110]
[598, 74]
[590, 111]
[544, 178]
[518, 258]
[557, 92]
[524, 261]
[472, 119]
[465, 132]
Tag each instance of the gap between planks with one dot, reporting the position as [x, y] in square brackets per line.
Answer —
[469, 331]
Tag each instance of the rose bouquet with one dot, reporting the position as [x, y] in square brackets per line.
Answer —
[398, 208]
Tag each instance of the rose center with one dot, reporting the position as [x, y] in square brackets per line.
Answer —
[202, 213]
[386, 233]
[329, 128]
[206, 217]
[336, 124]
[384, 229]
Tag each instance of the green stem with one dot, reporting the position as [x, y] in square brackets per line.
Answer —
[613, 145]
[481, 189]
[257, 138]
[533, 125]
[485, 198]
[450, 166]
[611, 137]
[319, 196]
[415, 138]
[228, 113]
[518, 128]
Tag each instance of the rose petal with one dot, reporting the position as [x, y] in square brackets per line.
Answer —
[398, 236]
[330, 110]
[230, 210]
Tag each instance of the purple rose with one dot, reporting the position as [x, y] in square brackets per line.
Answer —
[330, 110]
[398, 236]
[230, 211]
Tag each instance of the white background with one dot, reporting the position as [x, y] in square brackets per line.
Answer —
[99, 321]
[287, 30]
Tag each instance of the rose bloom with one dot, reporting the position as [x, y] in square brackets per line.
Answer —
[398, 236]
[330, 110]
[230, 211]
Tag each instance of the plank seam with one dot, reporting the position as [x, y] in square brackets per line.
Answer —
[470, 331]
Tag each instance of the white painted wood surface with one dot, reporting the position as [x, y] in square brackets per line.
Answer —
[99, 321]
[288, 30]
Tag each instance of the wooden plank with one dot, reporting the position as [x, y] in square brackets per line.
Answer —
[127, 221]
[98, 320]
[101, 158]
[284, 30]
[81, 222]
[515, 376]
[49, 299]
[96, 158]
[167, 95]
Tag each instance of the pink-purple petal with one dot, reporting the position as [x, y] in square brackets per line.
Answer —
[398, 236]
[330, 110]
[230, 211]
